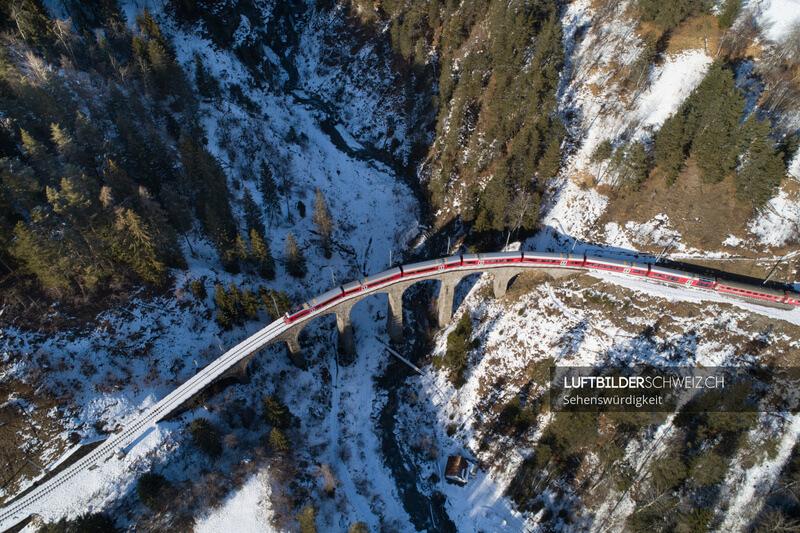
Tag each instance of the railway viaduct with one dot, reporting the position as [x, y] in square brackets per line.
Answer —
[502, 277]
[233, 364]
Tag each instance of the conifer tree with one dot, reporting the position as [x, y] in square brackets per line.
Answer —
[269, 192]
[261, 256]
[41, 257]
[30, 19]
[225, 309]
[308, 519]
[275, 303]
[135, 246]
[240, 249]
[295, 260]
[252, 214]
[205, 436]
[41, 161]
[762, 169]
[276, 413]
[237, 303]
[156, 56]
[324, 221]
[279, 441]
[670, 147]
[603, 151]
[65, 143]
[211, 202]
[630, 162]
[250, 304]
[207, 84]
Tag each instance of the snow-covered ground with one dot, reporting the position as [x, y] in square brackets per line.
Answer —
[599, 50]
[338, 405]
[552, 321]
[134, 354]
[777, 17]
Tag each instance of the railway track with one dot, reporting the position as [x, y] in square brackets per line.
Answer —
[34, 501]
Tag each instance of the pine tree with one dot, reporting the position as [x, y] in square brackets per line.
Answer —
[250, 305]
[274, 303]
[279, 441]
[29, 18]
[252, 214]
[237, 303]
[225, 309]
[41, 257]
[269, 192]
[728, 14]
[276, 413]
[670, 148]
[494, 201]
[670, 13]
[240, 249]
[295, 261]
[157, 56]
[308, 519]
[261, 256]
[324, 221]
[716, 109]
[603, 151]
[42, 162]
[134, 245]
[630, 163]
[65, 143]
[207, 84]
[212, 197]
[205, 436]
[762, 169]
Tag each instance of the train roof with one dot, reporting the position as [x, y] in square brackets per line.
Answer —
[618, 262]
[351, 285]
[672, 272]
[552, 255]
[325, 296]
[502, 255]
[392, 272]
[421, 265]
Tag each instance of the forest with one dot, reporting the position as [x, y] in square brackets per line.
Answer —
[104, 165]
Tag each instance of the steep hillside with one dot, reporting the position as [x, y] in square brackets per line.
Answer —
[646, 176]
[174, 175]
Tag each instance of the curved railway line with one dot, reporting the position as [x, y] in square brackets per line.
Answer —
[345, 296]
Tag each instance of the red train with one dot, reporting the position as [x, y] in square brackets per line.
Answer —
[551, 260]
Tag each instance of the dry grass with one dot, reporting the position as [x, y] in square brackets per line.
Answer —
[584, 179]
[696, 33]
[702, 213]
[26, 432]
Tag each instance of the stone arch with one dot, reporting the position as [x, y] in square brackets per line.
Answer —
[502, 279]
[464, 286]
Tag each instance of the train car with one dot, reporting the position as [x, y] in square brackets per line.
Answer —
[452, 261]
[326, 298]
[671, 275]
[616, 265]
[352, 287]
[750, 291]
[296, 312]
[551, 259]
[433, 265]
[379, 279]
[501, 258]
[703, 282]
[470, 259]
